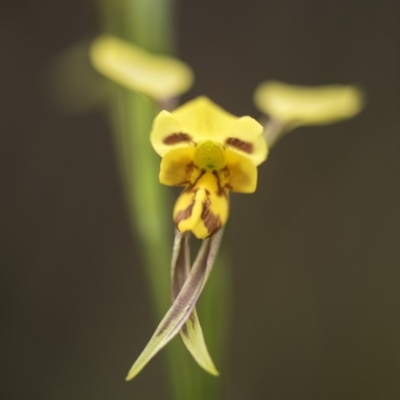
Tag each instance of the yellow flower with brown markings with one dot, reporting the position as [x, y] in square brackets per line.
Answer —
[209, 151]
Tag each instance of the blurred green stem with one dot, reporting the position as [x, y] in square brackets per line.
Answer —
[148, 23]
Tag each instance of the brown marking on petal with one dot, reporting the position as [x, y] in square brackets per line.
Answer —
[225, 172]
[221, 185]
[175, 138]
[187, 212]
[184, 214]
[222, 192]
[246, 147]
[211, 221]
[189, 168]
[228, 187]
[191, 173]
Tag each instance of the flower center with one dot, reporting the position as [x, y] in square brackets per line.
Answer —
[210, 156]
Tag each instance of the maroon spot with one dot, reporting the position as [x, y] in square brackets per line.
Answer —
[177, 138]
[246, 147]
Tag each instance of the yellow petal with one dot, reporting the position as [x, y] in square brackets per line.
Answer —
[202, 120]
[177, 168]
[202, 208]
[246, 140]
[303, 105]
[239, 175]
[157, 76]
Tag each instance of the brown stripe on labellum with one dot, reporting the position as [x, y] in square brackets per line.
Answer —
[211, 221]
[184, 214]
[175, 138]
[246, 147]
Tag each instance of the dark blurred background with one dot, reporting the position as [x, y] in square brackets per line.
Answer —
[316, 255]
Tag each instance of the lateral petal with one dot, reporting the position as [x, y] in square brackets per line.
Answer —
[239, 175]
[246, 139]
[177, 168]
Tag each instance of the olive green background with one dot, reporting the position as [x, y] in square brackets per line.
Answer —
[315, 252]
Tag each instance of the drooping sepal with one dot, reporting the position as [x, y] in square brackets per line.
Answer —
[183, 305]
[191, 332]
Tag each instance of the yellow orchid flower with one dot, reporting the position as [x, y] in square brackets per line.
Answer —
[210, 152]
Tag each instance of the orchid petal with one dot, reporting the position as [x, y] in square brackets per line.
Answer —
[239, 175]
[183, 304]
[177, 167]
